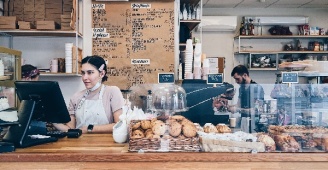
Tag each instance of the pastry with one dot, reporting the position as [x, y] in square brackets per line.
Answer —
[286, 143]
[177, 117]
[175, 129]
[156, 136]
[136, 134]
[148, 131]
[269, 143]
[149, 135]
[136, 126]
[159, 129]
[145, 124]
[325, 142]
[186, 121]
[153, 123]
[210, 128]
[189, 130]
[222, 128]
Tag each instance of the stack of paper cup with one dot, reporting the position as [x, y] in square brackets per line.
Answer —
[206, 65]
[68, 57]
[54, 65]
[188, 59]
[197, 61]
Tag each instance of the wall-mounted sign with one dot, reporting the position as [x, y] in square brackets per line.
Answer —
[289, 77]
[140, 61]
[167, 78]
[215, 78]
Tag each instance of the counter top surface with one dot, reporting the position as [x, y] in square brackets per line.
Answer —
[102, 148]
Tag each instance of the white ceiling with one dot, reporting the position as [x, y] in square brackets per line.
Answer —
[265, 3]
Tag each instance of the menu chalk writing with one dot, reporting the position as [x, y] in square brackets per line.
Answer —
[215, 78]
[136, 40]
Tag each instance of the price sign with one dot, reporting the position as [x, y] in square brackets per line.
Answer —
[215, 78]
[289, 77]
[166, 78]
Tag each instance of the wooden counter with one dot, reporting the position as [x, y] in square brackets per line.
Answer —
[94, 151]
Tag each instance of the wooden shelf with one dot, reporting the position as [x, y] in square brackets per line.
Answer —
[191, 24]
[283, 52]
[263, 69]
[4, 78]
[52, 33]
[184, 44]
[279, 36]
[60, 74]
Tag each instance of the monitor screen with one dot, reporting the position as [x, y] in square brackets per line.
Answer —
[50, 104]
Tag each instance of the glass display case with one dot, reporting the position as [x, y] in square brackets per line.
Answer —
[289, 118]
[259, 118]
[11, 60]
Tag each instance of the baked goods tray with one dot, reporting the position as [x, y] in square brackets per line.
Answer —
[162, 144]
[216, 145]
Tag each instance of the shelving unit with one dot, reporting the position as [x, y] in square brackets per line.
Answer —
[12, 64]
[189, 24]
[52, 41]
[273, 45]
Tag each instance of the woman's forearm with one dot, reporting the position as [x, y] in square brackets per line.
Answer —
[108, 128]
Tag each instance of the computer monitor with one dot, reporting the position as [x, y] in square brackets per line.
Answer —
[42, 101]
[50, 103]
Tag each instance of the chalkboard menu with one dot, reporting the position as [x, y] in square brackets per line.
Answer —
[135, 38]
[215, 78]
[166, 78]
[289, 77]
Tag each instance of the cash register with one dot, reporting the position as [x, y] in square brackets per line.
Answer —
[39, 101]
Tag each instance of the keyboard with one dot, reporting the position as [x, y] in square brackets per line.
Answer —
[57, 134]
[28, 141]
[7, 123]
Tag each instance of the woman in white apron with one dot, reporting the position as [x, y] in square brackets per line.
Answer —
[97, 108]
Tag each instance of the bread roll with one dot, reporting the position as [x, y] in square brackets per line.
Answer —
[222, 128]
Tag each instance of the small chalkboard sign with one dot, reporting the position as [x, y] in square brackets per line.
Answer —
[289, 77]
[166, 78]
[215, 78]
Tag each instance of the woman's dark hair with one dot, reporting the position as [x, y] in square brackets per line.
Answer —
[240, 70]
[98, 62]
[29, 71]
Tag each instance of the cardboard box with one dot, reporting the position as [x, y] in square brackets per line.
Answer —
[7, 18]
[7, 25]
[45, 25]
[54, 6]
[23, 25]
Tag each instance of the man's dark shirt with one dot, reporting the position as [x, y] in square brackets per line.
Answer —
[249, 95]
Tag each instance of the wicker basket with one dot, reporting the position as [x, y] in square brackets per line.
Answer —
[157, 144]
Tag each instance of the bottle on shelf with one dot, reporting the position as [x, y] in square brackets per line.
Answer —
[242, 30]
[259, 27]
[184, 12]
[251, 27]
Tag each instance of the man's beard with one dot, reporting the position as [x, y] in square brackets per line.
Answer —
[243, 81]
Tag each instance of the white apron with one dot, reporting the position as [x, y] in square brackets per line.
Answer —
[92, 112]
